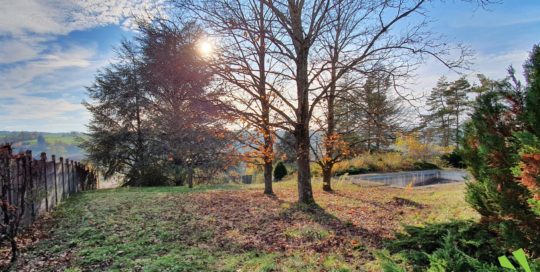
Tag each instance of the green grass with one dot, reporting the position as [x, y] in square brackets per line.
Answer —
[65, 138]
[181, 229]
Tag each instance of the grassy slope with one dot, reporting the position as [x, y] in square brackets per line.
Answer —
[233, 228]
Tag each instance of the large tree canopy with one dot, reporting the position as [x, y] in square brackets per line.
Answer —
[155, 107]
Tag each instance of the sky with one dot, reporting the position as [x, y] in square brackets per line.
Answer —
[50, 50]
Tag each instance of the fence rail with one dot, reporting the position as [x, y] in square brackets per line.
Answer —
[31, 186]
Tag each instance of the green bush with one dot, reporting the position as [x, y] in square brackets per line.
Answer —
[454, 159]
[470, 238]
[280, 171]
[147, 176]
[353, 171]
[453, 246]
[500, 146]
[380, 162]
[424, 165]
[450, 258]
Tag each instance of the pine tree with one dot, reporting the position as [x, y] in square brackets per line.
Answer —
[502, 150]
[118, 139]
[369, 116]
[447, 104]
[285, 147]
[458, 103]
[529, 167]
[280, 171]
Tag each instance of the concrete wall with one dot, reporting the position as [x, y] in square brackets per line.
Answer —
[418, 178]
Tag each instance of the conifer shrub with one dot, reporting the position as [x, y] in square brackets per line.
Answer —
[502, 151]
[280, 171]
[454, 159]
[459, 241]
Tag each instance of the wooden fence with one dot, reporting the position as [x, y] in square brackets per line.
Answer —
[34, 186]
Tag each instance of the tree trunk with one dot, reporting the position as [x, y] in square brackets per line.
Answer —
[457, 127]
[305, 192]
[329, 156]
[327, 178]
[190, 177]
[265, 104]
[268, 178]
[14, 249]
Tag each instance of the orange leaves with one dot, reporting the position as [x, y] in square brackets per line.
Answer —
[334, 147]
[530, 170]
[409, 187]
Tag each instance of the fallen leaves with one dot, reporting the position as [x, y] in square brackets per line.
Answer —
[349, 223]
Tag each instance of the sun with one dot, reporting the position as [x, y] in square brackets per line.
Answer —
[205, 48]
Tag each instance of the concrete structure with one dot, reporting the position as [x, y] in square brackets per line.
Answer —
[417, 178]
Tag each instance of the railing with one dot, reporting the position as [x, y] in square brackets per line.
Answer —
[34, 186]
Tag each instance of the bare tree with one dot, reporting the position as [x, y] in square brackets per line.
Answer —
[243, 64]
[315, 43]
[362, 36]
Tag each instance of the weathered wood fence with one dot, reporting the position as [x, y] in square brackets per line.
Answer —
[34, 186]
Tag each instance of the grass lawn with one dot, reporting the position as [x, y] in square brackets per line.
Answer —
[232, 228]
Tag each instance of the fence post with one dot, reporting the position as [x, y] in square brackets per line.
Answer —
[16, 190]
[68, 183]
[72, 177]
[63, 178]
[31, 176]
[74, 167]
[79, 173]
[44, 169]
[10, 179]
[23, 183]
[53, 157]
[77, 177]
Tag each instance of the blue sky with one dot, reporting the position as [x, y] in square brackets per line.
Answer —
[50, 50]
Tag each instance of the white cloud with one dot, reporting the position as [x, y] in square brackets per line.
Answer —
[16, 50]
[26, 24]
[73, 57]
[41, 81]
[61, 17]
[492, 65]
[35, 108]
[495, 65]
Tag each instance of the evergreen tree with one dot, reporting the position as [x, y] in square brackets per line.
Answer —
[154, 108]
[368, 116]
[285, 147]
[280, 171]
[447, 103]
[458, 103]
[119, 131]
[42, 144]
[502, 149]
[529, 168]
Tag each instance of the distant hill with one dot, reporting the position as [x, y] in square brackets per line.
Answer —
[64, 144]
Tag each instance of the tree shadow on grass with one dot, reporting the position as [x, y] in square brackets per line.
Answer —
[389, 206]
[345, 232]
